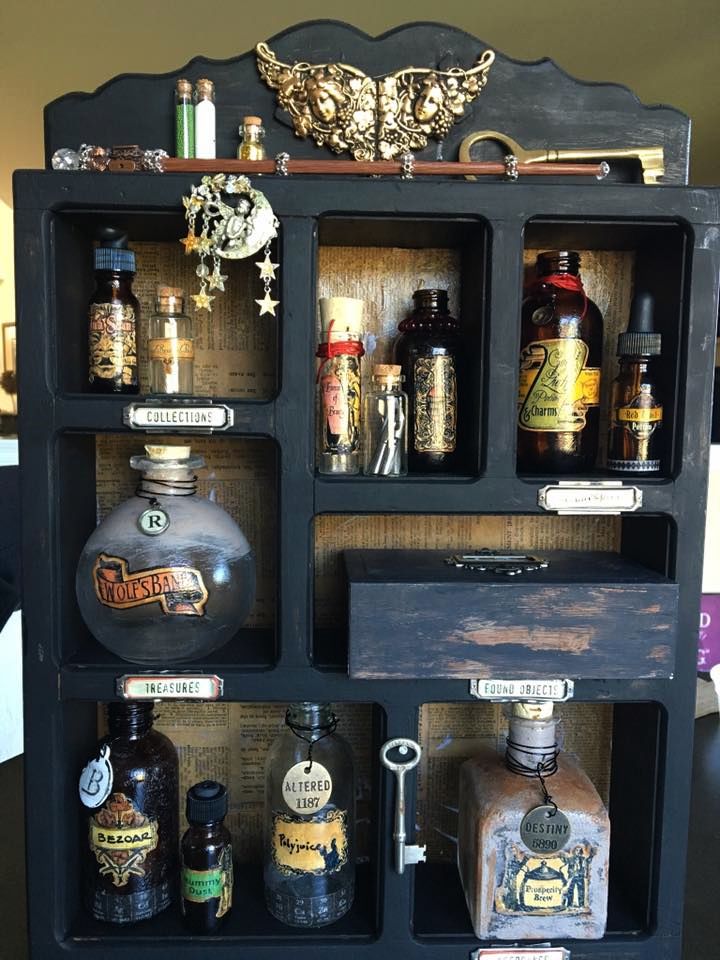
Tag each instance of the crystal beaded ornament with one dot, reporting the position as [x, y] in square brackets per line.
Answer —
[168, 576]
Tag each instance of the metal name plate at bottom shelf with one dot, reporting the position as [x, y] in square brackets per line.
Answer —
[521, 953]
[579, 497]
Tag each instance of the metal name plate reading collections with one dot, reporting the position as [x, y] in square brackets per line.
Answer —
[520, 953]
[203, 417]
[573, 497]
[502, 690]
[184, 686]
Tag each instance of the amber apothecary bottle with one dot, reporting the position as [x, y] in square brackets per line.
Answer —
[112, 317]
[532, 849]
[636, 412]
[428, 350]
[309, 820]
[130, 792]
[560, 359]
[207, 860]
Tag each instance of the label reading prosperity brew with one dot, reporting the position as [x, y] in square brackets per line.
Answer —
[318, 845]
[121, 837]
[556, 387]
[435, 405]
[199, 886]
[556, 884]
[306, 787]
[340, 393]
[113, 350]
[180, 591]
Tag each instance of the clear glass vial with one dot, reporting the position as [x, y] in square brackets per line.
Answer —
[252, 134]
[385, 424]
[170, 345]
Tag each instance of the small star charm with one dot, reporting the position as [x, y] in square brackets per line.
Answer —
[216, 281]
[203, 301]
[192, 203]
[267, 304]
[203, 245]
[266, 268]
[190, 242]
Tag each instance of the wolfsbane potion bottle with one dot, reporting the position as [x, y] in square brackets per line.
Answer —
[112, 317]
[560, 359]
[168, 576]
[428, 349]
[533, 838]
[636, 412]
[207, 859]
[309, 820]
[130, 792]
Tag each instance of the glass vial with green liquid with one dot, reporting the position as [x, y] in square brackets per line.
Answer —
[184, 120]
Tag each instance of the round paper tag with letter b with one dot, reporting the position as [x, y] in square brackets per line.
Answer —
[96, 780]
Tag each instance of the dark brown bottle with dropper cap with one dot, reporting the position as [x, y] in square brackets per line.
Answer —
[207, 863]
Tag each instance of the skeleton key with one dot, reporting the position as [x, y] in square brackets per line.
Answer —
[403, 854]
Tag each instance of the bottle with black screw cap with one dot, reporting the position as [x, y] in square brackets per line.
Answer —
[207, 863]
[636, 413]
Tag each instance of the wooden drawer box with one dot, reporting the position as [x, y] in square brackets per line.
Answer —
[587, 614]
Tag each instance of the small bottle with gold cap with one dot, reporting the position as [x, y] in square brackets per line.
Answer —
[170, 345]
[385, 424]
[252, 134]
[184, 120]
[205, 119]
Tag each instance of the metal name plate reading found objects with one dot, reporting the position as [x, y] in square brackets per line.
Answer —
[508, 564]
[188, 415]
[506, 690]
[577, 497]
[520, 953]
[183, 686]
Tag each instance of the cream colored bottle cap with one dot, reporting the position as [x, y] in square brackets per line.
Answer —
[533, 711]
[167, 452]
[345, 314]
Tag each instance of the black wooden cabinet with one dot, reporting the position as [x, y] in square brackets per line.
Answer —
[671, 232]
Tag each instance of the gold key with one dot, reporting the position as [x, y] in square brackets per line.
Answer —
[652, 159]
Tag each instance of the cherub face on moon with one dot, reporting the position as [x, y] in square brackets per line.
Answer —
[246, 229]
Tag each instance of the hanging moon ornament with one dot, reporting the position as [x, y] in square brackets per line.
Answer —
[245, 228]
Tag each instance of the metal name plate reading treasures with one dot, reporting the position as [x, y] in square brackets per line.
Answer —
[183, 686]
[506, 690]
[201, 417]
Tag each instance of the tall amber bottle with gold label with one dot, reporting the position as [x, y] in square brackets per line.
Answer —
[533, 838]
[130, 792]
[429, 349]
[560, 359]
[309, 820]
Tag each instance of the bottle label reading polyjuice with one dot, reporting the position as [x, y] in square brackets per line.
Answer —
[180, 591]
[317, 845]
[435, 405]
[552, 884]
[556, 387]
[121, 837]
[112, 343]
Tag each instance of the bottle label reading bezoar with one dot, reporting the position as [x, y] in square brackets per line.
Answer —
[340, 392]
[121, 837]
[556, 884]
[556, 387]
[200, 886]
[180, 591]
[113, 349]
[318, 845]
[435, 405]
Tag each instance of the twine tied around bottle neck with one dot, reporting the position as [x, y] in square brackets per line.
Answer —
[567, 281]
[300, 732]
[542, 762]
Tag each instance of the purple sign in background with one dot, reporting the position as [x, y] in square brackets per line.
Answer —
[709, 646]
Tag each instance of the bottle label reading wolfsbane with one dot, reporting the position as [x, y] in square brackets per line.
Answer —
[340, 391]
[113, 350]
[121, 837]
[170, 350]
[556, 884]
[306, 787]
[318, 845]
[435, 405]
[180, 591]
[199, 886]
[556, 387]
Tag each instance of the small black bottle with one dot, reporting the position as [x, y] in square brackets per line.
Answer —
[207, 863]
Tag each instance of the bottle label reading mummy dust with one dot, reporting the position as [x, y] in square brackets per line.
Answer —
[180, 591]
[199, 886]
[318, 845]
[553, 884]
[113, 350]
[556, 387]
[340, 392]
[435, 405]
[121, 837]
[306, 787]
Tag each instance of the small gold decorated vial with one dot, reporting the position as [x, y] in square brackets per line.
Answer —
[252, 134]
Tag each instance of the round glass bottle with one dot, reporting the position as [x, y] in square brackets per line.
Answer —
[385, 424]
[560, 359]
[170, 344]
[309, 820]
[207, 862]
[428, 351]
[168, 576]
[131, 796]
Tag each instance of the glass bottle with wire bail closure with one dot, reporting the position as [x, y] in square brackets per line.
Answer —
[560, 359]
[309, 820]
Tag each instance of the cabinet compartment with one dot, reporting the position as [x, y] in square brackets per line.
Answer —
[235, 349]
[382, 262]
[617, 260]
[617, 746]
[94, 476]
